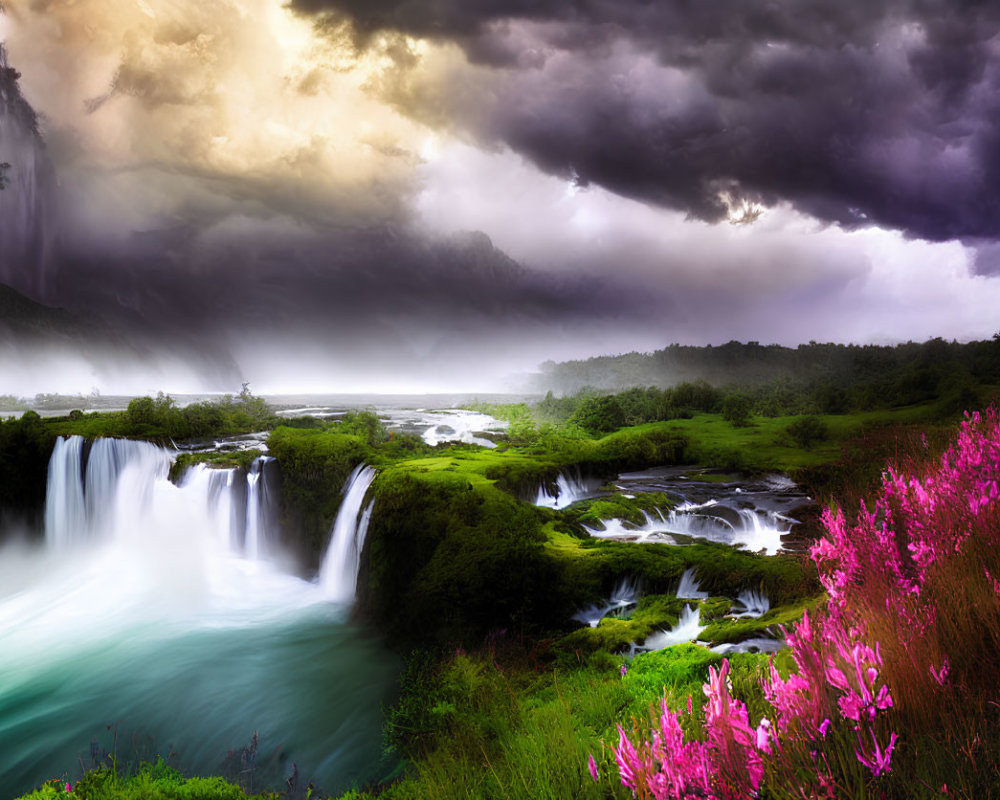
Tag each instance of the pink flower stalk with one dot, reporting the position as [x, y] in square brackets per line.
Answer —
[69, 789]
[941, 675]
[879, 760]
[592, 767]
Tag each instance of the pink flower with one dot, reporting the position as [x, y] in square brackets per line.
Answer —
[624, 670]
[592, 766]
[941, 675]
[69, 789]
[879, 760]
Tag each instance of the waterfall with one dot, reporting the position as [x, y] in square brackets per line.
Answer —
[687, 629]
[339, 574]
[747, 528]
[751, 604]
[689, 589]
[110, 491]
[569, 489]
[258, 509]
[626, 594]
[65, 508]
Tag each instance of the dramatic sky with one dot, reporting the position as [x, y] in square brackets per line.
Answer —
[307, 183]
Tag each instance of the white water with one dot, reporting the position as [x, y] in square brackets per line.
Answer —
[626, 594]
[143, 608]
[689, 589]
[461, 426]
[756, 531]
[258, 509]
[338, 576]
[751, 604]
[687, 629]
[569, 489]
[756, 645]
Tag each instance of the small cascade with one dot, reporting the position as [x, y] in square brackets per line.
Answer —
[625, 594]
[689, 589]
[258, 514]
[752, 604]
[752, 530]
[338, 575]
[569, 489]
[687, 629]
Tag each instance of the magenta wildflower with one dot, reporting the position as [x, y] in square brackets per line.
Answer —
[879, 760]
[69, 789]
[941, 675]
[592, 766]
[624, 670]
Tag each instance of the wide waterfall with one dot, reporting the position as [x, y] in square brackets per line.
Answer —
[106, 490]
[166, 610]
[339, 573]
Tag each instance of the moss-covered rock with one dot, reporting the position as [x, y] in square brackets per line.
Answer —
[239, 459]
[314, 464]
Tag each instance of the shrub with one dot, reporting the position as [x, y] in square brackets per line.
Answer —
[736, 410]
[805, 432]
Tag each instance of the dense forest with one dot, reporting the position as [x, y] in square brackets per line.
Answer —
[814, 377]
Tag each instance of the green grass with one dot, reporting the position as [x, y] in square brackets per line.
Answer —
[151, 782]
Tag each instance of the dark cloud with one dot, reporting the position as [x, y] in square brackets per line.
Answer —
[858, 113]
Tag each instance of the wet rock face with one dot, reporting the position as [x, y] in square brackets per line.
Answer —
[26, 202]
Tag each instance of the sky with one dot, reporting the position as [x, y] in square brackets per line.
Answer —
[349, 195]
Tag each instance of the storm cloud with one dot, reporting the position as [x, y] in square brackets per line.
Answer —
[856, 113]
[321, 193]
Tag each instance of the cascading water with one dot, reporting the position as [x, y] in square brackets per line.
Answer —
[751, 604]
[258, 509]
[143, 610]
[569, 489]
[338, 576]
[747, 528]
[626, 594]
[687, 629]
[65, 508]
[689, 588]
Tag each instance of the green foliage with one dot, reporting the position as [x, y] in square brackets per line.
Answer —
[736, 410]
[617, 506]
[448, 563]
[365, 425]
[159, 419]
[806, 431]
[315, 465]
[240, 459]
[489, 724]
[156, 781]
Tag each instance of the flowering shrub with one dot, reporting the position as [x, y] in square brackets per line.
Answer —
[911, 630]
